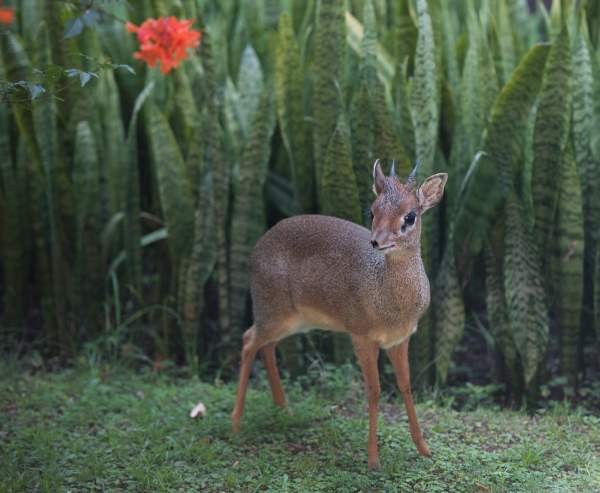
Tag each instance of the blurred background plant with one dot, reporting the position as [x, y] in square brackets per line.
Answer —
[130, 200]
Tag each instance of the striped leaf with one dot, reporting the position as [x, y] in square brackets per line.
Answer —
[449, 314]
[200, 266]
[362, 132]
[405, 32]
[289, 85]
[329, 44]
[524, 290]
[88, 261]
[113, 142]
[550, 136]
[248, 217]
[131, 200]
[13, 231]
[506, 42]
[488, 186]
[250, 86]
[498, 320]
[568, 266]
[340, 192]
[214, 158]
[425, 93]
[174, 189]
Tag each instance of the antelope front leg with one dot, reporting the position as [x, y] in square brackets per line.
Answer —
[399, 357]
[367, 353]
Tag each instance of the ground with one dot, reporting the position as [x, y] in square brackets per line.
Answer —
[116, 430]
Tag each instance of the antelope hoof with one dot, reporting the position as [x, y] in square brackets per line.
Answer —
[424, 450]
[374, 464]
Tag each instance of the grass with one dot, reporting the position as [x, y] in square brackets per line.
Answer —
[115, 430]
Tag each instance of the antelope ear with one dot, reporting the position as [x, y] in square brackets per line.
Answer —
[378, 178]
[431, 191]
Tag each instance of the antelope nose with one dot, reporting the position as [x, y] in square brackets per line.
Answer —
[374, 243]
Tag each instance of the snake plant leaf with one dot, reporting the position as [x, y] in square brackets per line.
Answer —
[113, 143]
[186, 119]
[425, 93]
[498, 317]
[58, 199]
[250, 85]
[405, 32]
[221, 175]
[131, 200]
[200, 266]
[506, 41]
[88, 227]
[340, 192]
[567, 292]
[404, 122]
[362, 132]
[13, 232]
[450, 33]
[550, 137]
[524, 290]
[498, 166]
[582, 132]
[289, 90]
[449, 313]
[385, 142]
[248, 217]
[174, 188]
[329, 44]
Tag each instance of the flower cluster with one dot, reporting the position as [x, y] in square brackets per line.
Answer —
[166, 40]
[7, 15]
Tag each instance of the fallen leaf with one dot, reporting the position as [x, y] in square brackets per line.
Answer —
[199, 410]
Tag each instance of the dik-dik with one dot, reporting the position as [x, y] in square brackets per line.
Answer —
[317, 271]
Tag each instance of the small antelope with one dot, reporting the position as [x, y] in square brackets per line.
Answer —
[317, 271]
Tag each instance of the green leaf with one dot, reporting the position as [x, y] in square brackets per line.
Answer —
[425, 93]
[449, 311]
[524, 290]
[498, 316]
[248, 219]
[289, 86]
[340, 192]
[568, 266]
[174, 189]
[329, 51]
[498, 167]
[550, 137]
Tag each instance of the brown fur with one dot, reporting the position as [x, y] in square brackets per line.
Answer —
[318, 271]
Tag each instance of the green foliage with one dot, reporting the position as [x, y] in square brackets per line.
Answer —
[567, 292]
[173, 185]
[494, 174]
[524, 290]
[550, 136]
[425, 92]
[449, 313]
[329, 41]
[109, 428]
[249, 221]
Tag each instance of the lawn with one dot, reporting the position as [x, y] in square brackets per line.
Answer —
[116, 430]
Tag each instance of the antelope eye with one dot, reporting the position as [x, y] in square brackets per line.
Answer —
[410, 218]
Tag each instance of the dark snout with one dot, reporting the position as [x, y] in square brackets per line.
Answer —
[381, 241]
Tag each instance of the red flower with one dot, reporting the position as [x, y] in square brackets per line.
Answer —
[166, 40]
[7, 15]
